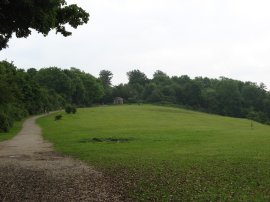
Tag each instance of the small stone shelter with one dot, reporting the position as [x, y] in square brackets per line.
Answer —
[118, 101]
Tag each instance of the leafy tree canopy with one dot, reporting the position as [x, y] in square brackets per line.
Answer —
[136, 77]
[20, 16]
[106, 77]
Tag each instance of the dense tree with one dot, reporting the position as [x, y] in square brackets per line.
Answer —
[11, 96]
[122, 90]
[155, 96]
[73, 85]
[55, 79]
[20, 16]
[209, 100]
[137, 77]
[93, 88]
[267, 107]
[136, 81]
[106, 78]
[161, 78]
[32, 92]
[78, 89]
[221, 96]
[253, 96]
[229, 98]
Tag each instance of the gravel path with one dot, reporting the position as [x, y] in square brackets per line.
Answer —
[30, 170]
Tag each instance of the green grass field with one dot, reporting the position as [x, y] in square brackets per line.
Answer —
[13, 131]
[169, 153]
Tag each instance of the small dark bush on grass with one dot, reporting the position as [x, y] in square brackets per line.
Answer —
[5, 122]
[70, 109]
[74, 110]
[58, 117]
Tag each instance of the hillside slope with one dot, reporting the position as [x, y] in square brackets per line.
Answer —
[163, 153]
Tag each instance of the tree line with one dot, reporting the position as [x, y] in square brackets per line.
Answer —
[32, 91]
[24, 93]
[221, 96]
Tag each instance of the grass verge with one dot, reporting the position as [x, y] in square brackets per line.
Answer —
[13, 131]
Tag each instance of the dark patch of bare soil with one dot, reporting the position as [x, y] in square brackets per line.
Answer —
[108, 140]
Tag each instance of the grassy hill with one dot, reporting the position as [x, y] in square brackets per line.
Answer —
[163, 153]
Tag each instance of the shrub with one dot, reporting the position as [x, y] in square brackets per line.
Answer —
[74, 110]
[5, 122]
[58, 117]
[70, 109]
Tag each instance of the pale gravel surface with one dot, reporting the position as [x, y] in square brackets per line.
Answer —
[30, 170]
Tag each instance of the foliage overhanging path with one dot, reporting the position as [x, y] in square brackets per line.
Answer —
[31, 170]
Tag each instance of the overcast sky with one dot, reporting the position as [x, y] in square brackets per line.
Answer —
[210, 38]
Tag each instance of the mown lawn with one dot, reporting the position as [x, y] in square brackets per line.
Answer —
[13, 131]
[169, 153]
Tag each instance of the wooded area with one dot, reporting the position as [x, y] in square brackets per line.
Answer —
[24, 93]
[222, 96]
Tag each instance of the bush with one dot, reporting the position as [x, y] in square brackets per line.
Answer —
[70, 109]
[58, 117]
[5, 122]
[74, 110]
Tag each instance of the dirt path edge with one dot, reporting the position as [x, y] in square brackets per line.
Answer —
[30, 170]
